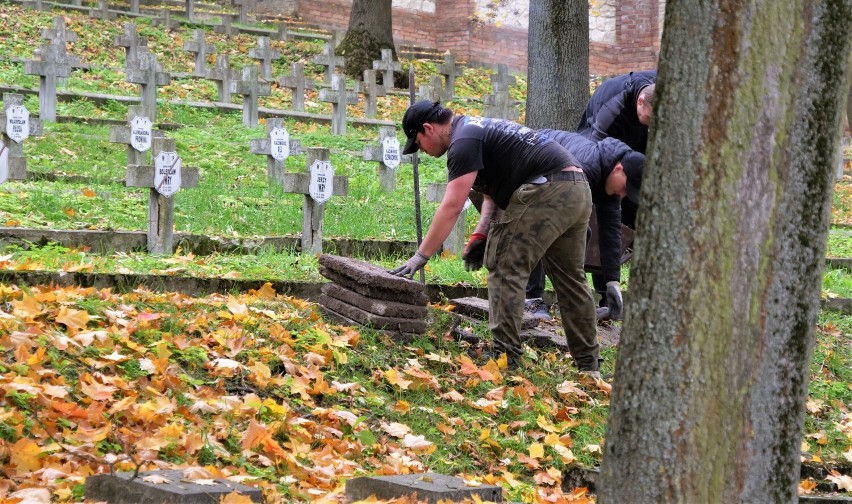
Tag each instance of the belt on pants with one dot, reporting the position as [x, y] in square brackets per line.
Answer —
[566, 175]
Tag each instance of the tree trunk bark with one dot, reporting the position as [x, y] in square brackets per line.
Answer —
[712, 369]
[370, 30]
[558, 63]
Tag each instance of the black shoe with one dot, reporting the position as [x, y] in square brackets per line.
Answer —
[511, 361]
[538, 308]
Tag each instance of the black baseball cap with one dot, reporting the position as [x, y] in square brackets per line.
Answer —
[412, 122]
[633, 164]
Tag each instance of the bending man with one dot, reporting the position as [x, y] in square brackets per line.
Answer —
[536, 207]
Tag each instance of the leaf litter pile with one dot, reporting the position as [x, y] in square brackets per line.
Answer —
[259, 389]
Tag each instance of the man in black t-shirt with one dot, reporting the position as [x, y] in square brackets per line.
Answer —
[536, 207]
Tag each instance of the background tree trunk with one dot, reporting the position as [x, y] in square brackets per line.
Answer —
[370, 30]
[712, 368]
[558, 63]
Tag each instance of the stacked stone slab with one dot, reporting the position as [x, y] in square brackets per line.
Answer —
[364, 294]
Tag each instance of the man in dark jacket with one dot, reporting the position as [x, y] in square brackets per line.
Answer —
[603, 162]
[621, 107]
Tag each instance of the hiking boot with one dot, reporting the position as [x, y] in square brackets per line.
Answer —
[538, 308]
[511, 361]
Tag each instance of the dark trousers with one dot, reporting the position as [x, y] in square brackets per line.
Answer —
[535, 285]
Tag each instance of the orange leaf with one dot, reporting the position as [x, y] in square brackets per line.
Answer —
[89, 193]
[69, 211]
[393, 377]
[235, 498]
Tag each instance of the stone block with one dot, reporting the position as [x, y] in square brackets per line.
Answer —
[478, 308]
[378, 306]
[370, 275]
[122, 489]
[342, 319]
[420, 299]
[417, 326]
[429, 487]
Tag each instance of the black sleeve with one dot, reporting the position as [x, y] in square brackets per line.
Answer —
[606, 120]
[609, 237]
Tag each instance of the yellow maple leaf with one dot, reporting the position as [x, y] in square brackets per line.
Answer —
[25, 456]
[536, 450]
[393, 377]
[73, 319]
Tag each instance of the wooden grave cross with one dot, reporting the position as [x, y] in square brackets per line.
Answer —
[296, 82]
[131, 42]
[388, 153]
[432, 91]
[53, 64]
[17, 126]
[61, 35]
[147, 73]
[34, 5]
[387, 66]
[315, 186]
[499, 104]
[450, 70]
[201, 49]
[102, 11]
[371, 92]
[455, 242]
[251, 88]
[226, 28]
[165, 19]
[243, 6]
[138, 135]
[277, 147]
[339, 97]
[329, 61]
[163, 177]
[223, 75]
[265, 54]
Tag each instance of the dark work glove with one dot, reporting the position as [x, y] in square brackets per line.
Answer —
[614, 301]
[411, 266]
[474, 251]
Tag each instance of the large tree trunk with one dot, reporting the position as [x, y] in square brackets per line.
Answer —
[712, 370]
[558, 63]
[370, 30]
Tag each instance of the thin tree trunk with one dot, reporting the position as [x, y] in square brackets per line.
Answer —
[712, 370]
[558, 63]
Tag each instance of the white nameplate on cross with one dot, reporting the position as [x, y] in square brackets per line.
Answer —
[167, 173]
[18, 123]
[279, 144]
[322, 179]
[140, 133]
[390, 152]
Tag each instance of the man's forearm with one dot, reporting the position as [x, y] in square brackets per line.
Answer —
[490, 213]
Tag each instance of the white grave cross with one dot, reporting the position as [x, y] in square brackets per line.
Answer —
[18, 123]
[280, 139]
[140, 133]
[390, 152]
[322, 181]
[167, 173]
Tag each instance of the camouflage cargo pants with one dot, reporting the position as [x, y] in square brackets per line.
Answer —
[543, 222]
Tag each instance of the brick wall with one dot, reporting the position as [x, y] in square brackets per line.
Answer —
[449, 27]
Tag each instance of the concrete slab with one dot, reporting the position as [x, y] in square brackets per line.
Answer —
[429, 488]
[368, 319]
[370, 275]
[121, 489]
[377, 306]
[420, 299]
[342, 319]
[478, 308]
